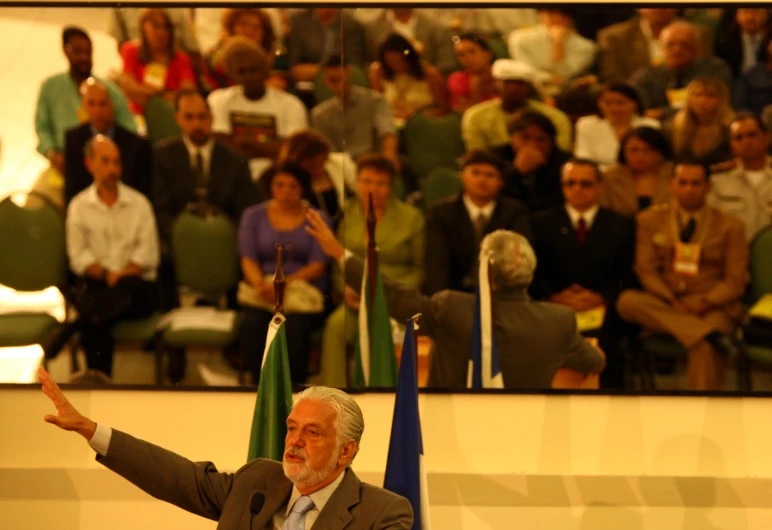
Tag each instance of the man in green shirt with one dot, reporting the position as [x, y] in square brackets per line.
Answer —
[485, 125]
[59, 103]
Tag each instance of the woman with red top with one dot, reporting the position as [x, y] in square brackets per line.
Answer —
[151, 66]
[475, 83]
[252, 23]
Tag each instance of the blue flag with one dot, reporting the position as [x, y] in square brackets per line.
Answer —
[405, 473]
[484, 367]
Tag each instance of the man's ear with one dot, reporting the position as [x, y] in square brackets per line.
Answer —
[347, 452]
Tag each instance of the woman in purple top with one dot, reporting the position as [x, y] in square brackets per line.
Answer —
[264, 227]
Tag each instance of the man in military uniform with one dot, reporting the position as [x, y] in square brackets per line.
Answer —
[691, 260]
[743, 185]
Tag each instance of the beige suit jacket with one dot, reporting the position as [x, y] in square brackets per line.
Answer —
[200, 488]
[723, 267]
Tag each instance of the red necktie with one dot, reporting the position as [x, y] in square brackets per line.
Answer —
[581, 231]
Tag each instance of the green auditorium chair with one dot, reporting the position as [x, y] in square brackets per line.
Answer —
[32, 258]
[757, 333]
[441, 182]
[205, 261]
[432, 142]
[159, 118]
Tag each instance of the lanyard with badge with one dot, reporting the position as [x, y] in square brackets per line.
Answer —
[687, 255]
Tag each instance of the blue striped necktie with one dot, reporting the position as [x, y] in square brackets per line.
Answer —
[297, 517]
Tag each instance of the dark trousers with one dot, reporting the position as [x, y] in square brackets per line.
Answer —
[99, 308]
[609, 338]
[298, 328]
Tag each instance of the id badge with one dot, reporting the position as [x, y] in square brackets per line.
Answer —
[687, 259]
[155, 76]
[676, 97]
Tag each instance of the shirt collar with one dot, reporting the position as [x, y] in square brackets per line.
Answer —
[320, 497]
[475, 211]
[684, 216]
[588, 216]
[110, 132]
[122, 200]
[205, 149]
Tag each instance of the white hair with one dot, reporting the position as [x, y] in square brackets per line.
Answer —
[349, 421]
[511, 257]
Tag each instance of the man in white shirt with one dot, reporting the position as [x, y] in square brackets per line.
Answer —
[740, 44]
[313, 487]
[743, 186]
[112, 246]
[250, 117]
[554, 49]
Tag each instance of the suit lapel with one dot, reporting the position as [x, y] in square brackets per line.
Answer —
[566, 230]
[277, 491]
[336, 514]
[465, 230]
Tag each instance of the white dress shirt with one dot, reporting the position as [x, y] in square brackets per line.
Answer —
[113, 236]
[596, 139]
[206, 154]
[534, 46]
[320, 499]
[656, 55]
[588, 216]
[406, 29]
[474, 211]
[100, 443]
[751, 45]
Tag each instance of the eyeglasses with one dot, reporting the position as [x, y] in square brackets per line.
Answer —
[570, 183]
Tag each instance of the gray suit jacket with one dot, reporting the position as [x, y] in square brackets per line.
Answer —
[225, 497]
[535, 339]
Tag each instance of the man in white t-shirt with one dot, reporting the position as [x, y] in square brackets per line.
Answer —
[250, 117]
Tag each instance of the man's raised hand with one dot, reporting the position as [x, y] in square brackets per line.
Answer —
[67, 417]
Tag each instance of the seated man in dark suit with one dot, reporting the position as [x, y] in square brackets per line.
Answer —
[313, 486]
[185, 168]
[136, 153]
[585, 257]
[535, 339]
[534, 175]
[196, 160]
[456, 225]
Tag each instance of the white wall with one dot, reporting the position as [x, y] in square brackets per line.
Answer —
[544, 462]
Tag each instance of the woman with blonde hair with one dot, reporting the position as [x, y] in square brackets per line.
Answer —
[700, 130]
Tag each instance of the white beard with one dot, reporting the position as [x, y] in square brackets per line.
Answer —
[301, 473]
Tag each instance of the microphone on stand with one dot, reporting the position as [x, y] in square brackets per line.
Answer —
[258, 500]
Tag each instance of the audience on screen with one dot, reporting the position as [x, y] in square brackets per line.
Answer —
[294, 96]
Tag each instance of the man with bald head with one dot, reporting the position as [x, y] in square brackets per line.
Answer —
[136, 152]
[663, 87]
[112, 246]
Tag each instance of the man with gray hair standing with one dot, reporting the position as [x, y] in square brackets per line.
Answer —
[312, 488]
[535, 339]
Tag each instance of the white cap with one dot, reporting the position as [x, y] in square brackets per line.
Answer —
[511, 70]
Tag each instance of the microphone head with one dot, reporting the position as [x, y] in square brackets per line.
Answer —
[258, 500]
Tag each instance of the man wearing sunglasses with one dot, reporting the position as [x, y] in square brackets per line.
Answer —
[584, 259]
[692, 261]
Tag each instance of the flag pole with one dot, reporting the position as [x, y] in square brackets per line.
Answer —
[371, 250]
[279, 282]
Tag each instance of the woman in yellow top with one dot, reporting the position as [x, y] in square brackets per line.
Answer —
[399, 234]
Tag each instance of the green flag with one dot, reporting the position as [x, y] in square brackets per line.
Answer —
[274, 396]
[375, 364]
